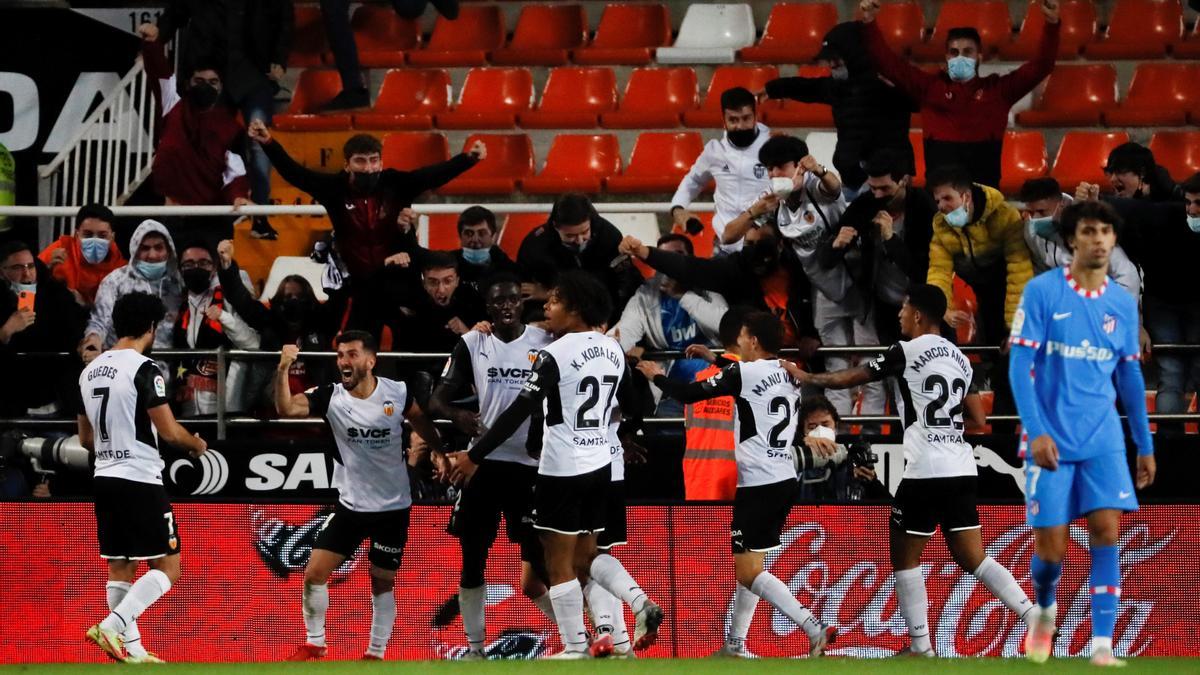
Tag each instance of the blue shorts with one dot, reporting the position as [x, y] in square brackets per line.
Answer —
[1076, 489]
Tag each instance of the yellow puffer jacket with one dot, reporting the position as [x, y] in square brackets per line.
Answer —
[971, 252]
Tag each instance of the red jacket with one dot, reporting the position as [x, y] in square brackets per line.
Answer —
[972, 111]
[77, 273]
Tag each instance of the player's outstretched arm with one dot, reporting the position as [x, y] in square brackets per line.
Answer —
[286, 404]
[170, 430]
[728, 382]
[839, 379]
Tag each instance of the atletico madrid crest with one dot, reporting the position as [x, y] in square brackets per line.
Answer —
[1110, 324]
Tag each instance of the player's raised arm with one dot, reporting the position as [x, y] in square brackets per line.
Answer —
[286, 404]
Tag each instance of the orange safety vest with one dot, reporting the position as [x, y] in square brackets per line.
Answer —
[709, 468]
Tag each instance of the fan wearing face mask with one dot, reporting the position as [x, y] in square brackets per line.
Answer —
[964, 114]
[81, 260]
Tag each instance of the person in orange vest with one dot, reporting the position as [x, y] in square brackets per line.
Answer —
[709, 469]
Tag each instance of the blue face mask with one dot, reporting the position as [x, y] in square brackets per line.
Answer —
[151, 270]
[957, 217]
[25, 288]
[1043, 227]
[1194, 223]
[95, 249]
[477, 256]
[961, 68]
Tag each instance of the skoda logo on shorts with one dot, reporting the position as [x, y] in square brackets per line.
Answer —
[214, 472]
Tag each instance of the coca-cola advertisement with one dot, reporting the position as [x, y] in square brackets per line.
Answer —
[243, 567]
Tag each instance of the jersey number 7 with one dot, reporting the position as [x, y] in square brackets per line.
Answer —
[102, 394]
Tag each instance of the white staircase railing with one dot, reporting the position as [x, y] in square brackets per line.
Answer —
[109, 156]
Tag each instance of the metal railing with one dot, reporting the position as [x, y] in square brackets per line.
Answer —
[107, 158]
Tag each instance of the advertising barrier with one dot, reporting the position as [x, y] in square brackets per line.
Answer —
[239, 598]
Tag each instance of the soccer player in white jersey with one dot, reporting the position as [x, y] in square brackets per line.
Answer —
[495, 361]
[575, 381]
[932, 382]
[767, 399]
[366, 414]
[124, 398]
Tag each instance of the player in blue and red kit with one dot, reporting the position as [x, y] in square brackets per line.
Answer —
[1072, 331]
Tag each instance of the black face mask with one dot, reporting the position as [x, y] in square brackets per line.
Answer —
[365, 182]
[294, 309]
[742, 138]
[203, 96]
[197, 280]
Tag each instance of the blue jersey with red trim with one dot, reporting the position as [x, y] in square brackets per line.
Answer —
[1079, 336]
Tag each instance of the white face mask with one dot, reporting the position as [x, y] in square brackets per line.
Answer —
[782, 186]
[823, 432]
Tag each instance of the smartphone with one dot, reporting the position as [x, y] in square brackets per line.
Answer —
[25, 300]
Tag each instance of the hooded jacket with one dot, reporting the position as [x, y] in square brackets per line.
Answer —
[994, 237]
[78, 274]
[642, 318]
[127, 279]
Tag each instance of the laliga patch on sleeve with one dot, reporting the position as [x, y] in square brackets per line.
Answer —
[160, 386]
[1018, 321]
[446, 368]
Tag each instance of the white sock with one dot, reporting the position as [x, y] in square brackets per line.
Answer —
[608, 615]
[567, 598]
[774, 591]
[1048, 614]
[621, 642]
[611, 574]
[115, 592]
[543, 603]
[744, 603]
[1099, 643]
[1004, 586]
[471, 603]
[383, 618]
[914, 607]
[316, 603]
[141, 595]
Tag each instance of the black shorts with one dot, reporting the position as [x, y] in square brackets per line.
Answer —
[614, 524]
[497, 489]
[924, 503]
[134, 520]
[572, 504]
[344, 530]
[759, 513]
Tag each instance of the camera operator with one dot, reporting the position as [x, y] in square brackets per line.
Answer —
[828, 470]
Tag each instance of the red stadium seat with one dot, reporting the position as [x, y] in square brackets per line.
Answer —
[1189, 48]
[1161, 94]
[1082, 156]
[574, 98]
[902, 25]
[1023, 158]
[1139, 29]
[917, 140]
[793, 33]
[465, 41]
[576, 163]
[797, 114]
[491, 98]
[627, 35]
[1178, 151]
[515, 228]
[1073, 96]
[655, 98]
[727, 77]
[382, 36]
[659, 161]
[702, 243]
[544, 36]
[406, 151]
[314, 89]
[408, 99]
[309, 44]
[443, 232]
[509, 159]
[989, 17]
[1077, 21]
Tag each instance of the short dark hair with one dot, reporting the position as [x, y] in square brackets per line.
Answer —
[1191, 185]
[1130, 157]
[361, 144]
[675, 236]
[779, 150]
[571, 209]
[97, 211]
[438, 260]
[964, 33]
[929, 300]
[954, 175]
[476, 215]
[202, 245]
[368, 340]
[813, 404]
[886, 162]
[1036, 189]
[766, 327]
[737, 98]
[498, 278]
[1087, 210]
[731, 324]
[207, 62]
[136, 314]
[14, 247]
[584, 295]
